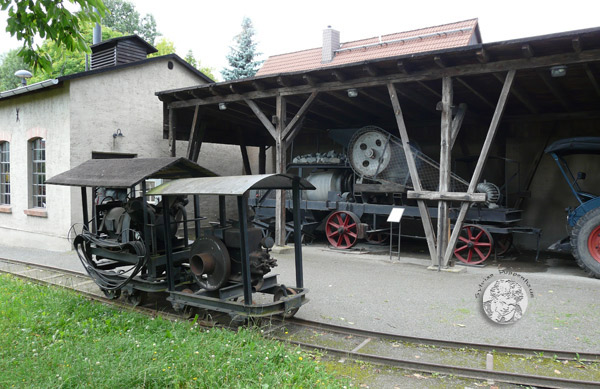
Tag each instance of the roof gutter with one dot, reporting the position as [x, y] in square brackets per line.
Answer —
[29, 88]
[403, 40]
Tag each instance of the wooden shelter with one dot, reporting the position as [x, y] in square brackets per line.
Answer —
[543, 79]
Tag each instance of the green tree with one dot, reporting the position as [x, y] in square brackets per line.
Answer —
[49, 19]
[69, 62]
[164, 46]
[125, 18]
[242, 62]
[10, 62]
[189, 58]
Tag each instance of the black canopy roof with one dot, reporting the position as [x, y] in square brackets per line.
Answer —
[125, 173]
[579, 145]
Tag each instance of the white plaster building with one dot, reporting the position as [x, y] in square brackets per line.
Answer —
[52, 126]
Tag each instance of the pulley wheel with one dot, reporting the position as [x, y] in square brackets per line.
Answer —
[369, 152]
[474, 244]
[342, 229]
[377, 237]
[210, 262]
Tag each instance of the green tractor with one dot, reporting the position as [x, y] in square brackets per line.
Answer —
[585, 218]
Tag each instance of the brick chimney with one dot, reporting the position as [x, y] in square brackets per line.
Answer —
[331, 42]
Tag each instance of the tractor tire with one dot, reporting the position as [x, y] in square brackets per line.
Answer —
[585, 242]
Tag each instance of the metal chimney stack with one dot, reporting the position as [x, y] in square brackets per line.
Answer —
[96, 32]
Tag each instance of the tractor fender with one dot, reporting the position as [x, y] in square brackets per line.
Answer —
[584, 208]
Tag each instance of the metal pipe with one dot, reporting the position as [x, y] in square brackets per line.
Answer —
[222, 211]
[297, 232]
[247, 282]
[28, 88]
[168, 249]
[84, 206]
[197, 215]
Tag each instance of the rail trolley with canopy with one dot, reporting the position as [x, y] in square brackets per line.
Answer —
[134, 247]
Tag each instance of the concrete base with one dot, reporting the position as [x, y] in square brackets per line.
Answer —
[453, 269]
[282, 249]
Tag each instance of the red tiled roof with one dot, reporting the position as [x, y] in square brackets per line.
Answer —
[416, 41]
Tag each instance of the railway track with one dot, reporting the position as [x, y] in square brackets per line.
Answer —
[468, 360]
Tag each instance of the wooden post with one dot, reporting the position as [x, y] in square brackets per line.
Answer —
[444, 183]
[480, 163]
[192, 140]
[172, 133]
[414, 174]
[262, 160]
[280, 163]
[245, 159]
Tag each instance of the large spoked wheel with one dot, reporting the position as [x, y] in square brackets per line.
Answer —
[585, 242]
[378, 237]
[342, 229]
[474, 244]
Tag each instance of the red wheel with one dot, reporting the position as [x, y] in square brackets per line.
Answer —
[342, 229]
[474, 244]
[593, 243]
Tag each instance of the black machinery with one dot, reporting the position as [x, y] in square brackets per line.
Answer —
[357, 189]
[132, 246]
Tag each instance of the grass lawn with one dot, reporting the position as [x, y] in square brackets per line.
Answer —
[53, 338]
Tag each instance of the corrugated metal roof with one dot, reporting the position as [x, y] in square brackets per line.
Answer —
[232, 185]
[416, 41]
[125, 173]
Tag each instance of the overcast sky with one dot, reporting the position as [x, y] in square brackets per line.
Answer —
[208, 28]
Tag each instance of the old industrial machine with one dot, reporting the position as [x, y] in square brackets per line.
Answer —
[584, 219]
[357, 190]
[132, 247]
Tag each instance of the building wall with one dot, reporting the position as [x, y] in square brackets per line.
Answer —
[44, 114]
[79, 117]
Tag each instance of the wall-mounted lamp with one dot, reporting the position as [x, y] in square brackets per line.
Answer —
[118, 134]
[222, 106]
[558, 71]
[352, 92]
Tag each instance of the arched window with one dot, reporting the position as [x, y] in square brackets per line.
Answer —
[4, 173]
[38, 172]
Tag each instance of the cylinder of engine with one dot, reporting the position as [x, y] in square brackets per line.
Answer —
[324, 181]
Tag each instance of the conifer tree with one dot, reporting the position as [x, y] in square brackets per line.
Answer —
[242, 62]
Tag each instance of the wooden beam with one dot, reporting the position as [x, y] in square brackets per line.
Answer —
[480, 163]
[262, 160]
[295, 130]
[172, 133]
[299, 115]
[527, 51]
[558, 92]
[284, 81]
[259, 86]
[447, 196]
[418, 99]
[190, 147]
[423, 75]
[234, 89]
[576, 42]
[445, 166]
[428, 88]
[339, 76]
[213, 90]
[520, 95]
[457, 123]
[261, 116]
[472, 90]
[371, 70]
[414, 174]
[592, 78]
[280, 163]
[403, 67]
[482, 55]
[310, 80]
[198, 142]
[439, 61]
[373, 97]
[245, 159]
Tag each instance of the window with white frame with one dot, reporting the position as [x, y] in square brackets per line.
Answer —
[38, 173]
[4, 173]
